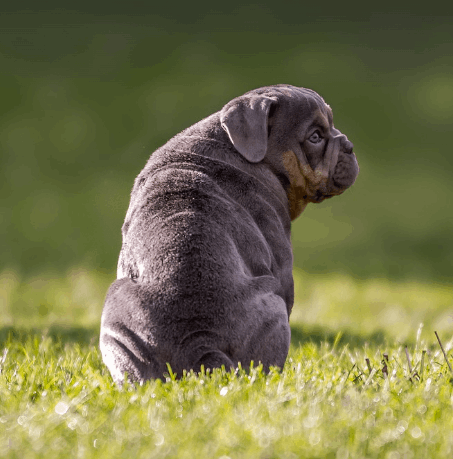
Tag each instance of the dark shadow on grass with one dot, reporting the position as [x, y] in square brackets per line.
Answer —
[58, 333]
[301, 334]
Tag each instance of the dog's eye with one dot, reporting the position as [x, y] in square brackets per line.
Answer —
[315, 137]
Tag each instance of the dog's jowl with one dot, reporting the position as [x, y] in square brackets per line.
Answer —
[205, 269]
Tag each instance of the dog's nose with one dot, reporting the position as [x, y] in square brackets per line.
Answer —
[346, 145]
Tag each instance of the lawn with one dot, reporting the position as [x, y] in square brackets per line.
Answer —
[337, 396]
[88, 93]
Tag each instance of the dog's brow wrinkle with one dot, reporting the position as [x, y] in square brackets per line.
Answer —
[329, 114]
[311, 103]
[322, 120]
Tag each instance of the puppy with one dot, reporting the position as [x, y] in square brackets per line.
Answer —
[205, 269]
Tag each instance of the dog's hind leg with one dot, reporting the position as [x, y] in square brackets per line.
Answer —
[213, 359]
[126, 340]
[202, 348]
[122, 356]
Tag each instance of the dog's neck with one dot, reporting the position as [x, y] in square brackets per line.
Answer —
[284, 176]
[297, 188]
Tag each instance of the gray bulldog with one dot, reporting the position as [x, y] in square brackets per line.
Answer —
[205, 269]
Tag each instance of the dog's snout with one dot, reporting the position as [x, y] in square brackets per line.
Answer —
[347, 146]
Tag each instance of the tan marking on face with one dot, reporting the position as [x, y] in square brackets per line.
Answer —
[297, 190]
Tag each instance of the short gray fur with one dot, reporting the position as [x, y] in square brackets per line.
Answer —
[205, 269]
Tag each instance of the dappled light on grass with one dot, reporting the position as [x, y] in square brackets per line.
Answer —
[59, 399]
[324, 304]
[350, 386]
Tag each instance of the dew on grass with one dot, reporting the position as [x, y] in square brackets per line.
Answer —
[72, 424]
[21, 420]
[314, 438]
[401, 427]
[416, 432]
[310, 421]
[159, 440]
[422, 409]
[61, 408]
[223, 391]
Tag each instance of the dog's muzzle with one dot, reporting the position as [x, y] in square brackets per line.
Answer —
[334, 174]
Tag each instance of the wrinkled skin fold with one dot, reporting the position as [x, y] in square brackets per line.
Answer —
[205, 269]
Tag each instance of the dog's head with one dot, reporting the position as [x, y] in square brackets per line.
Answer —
[292, 130]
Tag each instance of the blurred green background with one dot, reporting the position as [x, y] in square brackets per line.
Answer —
[88, 92]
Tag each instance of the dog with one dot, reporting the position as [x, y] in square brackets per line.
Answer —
[205, 269]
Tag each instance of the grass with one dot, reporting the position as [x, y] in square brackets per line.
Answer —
[334, 398]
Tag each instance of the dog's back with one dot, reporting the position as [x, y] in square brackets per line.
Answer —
[205, 266]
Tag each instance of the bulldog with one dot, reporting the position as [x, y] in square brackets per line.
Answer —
[205, 269]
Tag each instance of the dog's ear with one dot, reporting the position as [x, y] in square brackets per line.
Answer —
[245, 119]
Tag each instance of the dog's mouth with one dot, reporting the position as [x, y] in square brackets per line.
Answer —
[345, 172]
[319, 197]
